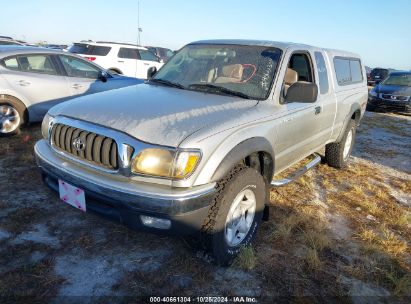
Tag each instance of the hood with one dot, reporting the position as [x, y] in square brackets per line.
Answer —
[122, 78]
[155, 114]
[393, 90]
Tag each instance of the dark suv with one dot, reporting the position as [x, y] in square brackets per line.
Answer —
[393, 93]
[377, 75]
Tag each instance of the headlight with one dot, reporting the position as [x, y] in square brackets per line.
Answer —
[164, 162]
[45, 125]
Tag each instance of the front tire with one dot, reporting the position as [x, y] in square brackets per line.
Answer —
[235, 214]
[12, 116]
[338, 154]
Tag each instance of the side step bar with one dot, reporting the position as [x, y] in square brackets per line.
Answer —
[297, 173]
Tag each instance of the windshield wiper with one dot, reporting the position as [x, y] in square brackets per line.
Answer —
[218, 89]
[167, 83]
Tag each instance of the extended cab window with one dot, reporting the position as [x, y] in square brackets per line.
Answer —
[79, 68]
[347, 70]
[31, 63]
[322, 72]
[128, 53]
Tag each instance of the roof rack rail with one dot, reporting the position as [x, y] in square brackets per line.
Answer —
[111, 42]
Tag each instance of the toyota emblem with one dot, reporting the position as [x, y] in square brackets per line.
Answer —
[78, 144]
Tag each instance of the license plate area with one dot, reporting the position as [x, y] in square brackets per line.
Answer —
[72, 195]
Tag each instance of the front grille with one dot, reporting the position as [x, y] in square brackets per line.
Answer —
[99, 150]
[394, 97]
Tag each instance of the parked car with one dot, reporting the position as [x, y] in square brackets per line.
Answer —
[34, 79]
[392, 94]
[377, 75]
[5, 40]
[197, 147]
[120, 58]
[162, 53]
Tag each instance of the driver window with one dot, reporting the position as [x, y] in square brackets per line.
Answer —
[299, 69]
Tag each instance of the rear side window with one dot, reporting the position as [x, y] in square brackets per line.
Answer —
[128, 53]
[322, 72]
[147, 55]
[31, 63]
[88, 49]
[348, 70]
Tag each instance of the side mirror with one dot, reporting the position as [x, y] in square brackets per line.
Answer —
[302, 91]
[103, 75]
[151, 72]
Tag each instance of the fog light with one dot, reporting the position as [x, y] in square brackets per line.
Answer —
[155, 222]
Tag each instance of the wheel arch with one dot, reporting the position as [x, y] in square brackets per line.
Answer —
[255, 152]
[355, 114]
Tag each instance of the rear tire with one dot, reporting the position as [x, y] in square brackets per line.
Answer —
[338, 154]
[13, 115]
[235, 214]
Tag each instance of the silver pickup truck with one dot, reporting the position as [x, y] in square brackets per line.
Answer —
[196, 148]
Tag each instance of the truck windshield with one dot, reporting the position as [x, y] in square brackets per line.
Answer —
[399, 80]
[238, 70]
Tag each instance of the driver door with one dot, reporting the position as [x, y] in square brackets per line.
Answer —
[299, 127]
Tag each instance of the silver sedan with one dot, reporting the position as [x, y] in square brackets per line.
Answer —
[32, 80]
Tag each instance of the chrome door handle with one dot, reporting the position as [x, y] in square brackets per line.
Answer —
[120, 61]
[24, 83]
[146, 64]
[77, 86]
[317, 110]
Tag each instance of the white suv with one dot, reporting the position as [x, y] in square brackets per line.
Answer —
[121, 58]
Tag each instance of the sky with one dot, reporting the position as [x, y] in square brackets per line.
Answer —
[379, 30]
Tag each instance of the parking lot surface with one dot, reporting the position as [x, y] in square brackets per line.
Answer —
[332, 233]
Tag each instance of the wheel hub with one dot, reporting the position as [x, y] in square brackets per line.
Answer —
[240, 217]
[347, 145]
[9, 119]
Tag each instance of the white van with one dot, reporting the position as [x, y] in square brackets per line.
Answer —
[120, 58]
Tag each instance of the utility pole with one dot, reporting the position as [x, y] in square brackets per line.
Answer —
[139, 29]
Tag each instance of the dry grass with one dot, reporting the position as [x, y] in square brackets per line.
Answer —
[246, 259]
[36, 282]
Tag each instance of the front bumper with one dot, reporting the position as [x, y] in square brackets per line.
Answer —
[124, 200]
[376, 103]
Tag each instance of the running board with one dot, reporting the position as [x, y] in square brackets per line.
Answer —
[297, 173]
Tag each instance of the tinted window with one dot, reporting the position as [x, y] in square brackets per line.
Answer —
[147, 55]
[128, 53]
[169, 53]
[152, 50]
[322, 72]
[347, 70]
[88, 49]
[301, 64]
[76, 67]
[31, 63]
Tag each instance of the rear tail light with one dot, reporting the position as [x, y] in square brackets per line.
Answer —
[91, 58]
